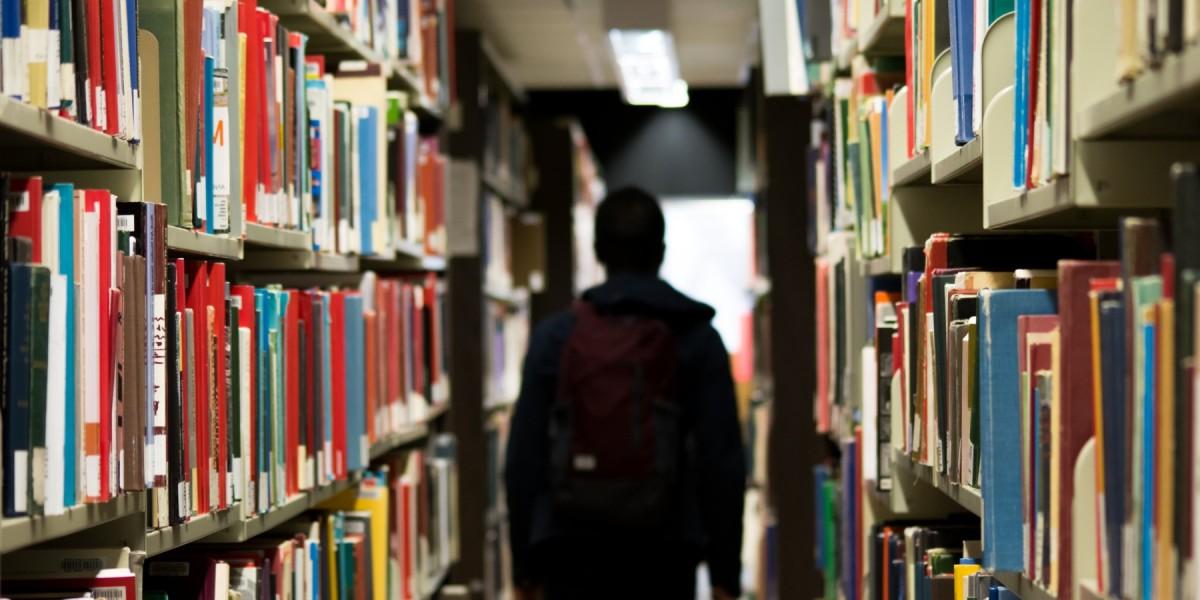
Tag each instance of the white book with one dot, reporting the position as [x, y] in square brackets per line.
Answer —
[981, 25]
[56, 398]
[220, 580]
[158, 450]
[414, 227]
[245, 399]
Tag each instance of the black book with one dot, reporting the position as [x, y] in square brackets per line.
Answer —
[18, 390]
[1185, 178]
[175, 464]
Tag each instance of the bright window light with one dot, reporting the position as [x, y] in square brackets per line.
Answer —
[648, 67]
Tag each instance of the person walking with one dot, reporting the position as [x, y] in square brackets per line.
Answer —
[625, 466]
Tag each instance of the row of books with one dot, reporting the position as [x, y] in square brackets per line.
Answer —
[994, 358]
[506, 149]
[892, 559]
[851, 165]
[306, 146]
[390, 536]
[77, 59]
[113, 387]
[418, 33]
[1149, 30]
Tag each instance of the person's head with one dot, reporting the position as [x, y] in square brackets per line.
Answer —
[629, 232]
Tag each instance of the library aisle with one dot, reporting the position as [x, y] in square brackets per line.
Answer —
[271, 269]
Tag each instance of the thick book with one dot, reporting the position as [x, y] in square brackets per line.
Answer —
[1075, 409]
[998, 379]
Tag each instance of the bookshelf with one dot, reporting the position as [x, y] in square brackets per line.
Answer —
[34, 139]
[145, 212]
[163, 540]
[21, 532]
[1112, 133]
[198, 243]
[275, 237]
[491, 271]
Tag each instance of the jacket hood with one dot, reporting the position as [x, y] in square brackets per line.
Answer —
[628, 293]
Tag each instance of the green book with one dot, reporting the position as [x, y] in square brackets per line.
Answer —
[40, 329]
[999, 8]
[164, 19]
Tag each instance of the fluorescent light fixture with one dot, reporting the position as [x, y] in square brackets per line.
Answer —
[648, 67]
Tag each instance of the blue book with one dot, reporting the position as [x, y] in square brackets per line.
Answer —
[209, 127]
[1113, 398]
[66, 267]
[1003, 593]
[368, 140]
[962, 56]
[357, 453]
[131, 47]
[19, 389]
[262, 412]
[1146, 292]
[1000, 422]
[1021, 93]
[279, 394]
[10, 31]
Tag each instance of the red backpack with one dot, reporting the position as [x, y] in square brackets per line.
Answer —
[616, 425]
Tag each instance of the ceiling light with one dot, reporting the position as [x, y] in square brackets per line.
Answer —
[648, 68]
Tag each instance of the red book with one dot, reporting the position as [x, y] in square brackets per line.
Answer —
[95, 92]
[337, 349]
[248, 25]
[823, 322]
[1077, 400]
[110, 583]
[218, 335]
[292, 391]
[1030, 360]
[246, 318]
[25, 218]
[935, 258]
[1035, 26]
[108, 65]
[198, 302]
[435, 334]
[418, 337]
[395, 350]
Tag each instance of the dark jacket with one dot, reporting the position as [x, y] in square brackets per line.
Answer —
[710, 525]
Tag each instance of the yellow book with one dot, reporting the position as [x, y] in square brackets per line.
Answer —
[36, 34]
[331, 554]
[961, 572]
[1166, 450]
[371, 497]
[1129, 58]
